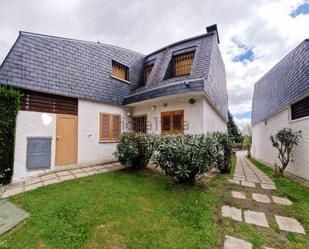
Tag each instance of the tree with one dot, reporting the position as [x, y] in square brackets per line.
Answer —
[284, 140]
[247, 132]
[233, 130]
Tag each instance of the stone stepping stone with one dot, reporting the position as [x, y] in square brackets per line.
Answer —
[10, 216]
[231, 212]
[255, 218]
[248, 184]
[234, 243]
[233, 181]
[239, 195]
[260, 198]
[268, 186]
[289, 224]
[281, 200]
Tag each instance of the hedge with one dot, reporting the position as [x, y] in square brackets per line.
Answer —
[9, 107]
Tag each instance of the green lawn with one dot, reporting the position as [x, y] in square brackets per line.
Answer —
[121, 210]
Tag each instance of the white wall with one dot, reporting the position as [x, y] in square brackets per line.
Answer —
[31, 124]
[199, 117]
[212, 121]
[90, 149]
[263, 150]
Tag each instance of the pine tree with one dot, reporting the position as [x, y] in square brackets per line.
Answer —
[233, 130]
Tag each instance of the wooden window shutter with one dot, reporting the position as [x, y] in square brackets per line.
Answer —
[120, 71]
[110, 126]
[116, 127]
[182, 63]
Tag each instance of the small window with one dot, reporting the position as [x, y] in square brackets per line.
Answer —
[110, 127]
[140, 124]
[147, 71]
[182, 63]
[120, 71]
[300, 109]
[172, 122]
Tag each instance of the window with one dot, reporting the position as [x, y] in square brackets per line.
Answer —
[140, 124]
[172, 122]
[110, 127]
[147, 71]
[182, 63]
[120, 71]
[300, 109]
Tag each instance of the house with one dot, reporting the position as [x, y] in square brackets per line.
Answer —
[79, 96]
[281, 99]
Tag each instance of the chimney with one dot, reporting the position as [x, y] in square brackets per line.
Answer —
[213, 29]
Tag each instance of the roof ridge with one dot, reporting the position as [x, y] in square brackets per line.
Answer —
[75, 40]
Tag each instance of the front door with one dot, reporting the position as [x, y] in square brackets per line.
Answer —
[66, 139]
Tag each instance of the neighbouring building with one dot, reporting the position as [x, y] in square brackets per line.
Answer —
[79, 96]
[281, 99]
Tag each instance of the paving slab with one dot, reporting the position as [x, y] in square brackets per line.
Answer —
[75, 171]
[33, 186]
[98, 167]
[281, 200]
[231, 212]
[239, 195]
[289, 224]
[92, 172]
[48, 177]
[51, 181]
[87, 169]
[13, 191]
[268, 186]
[233, 181]
[248, 184]
[82, 174]
[68, 177]
[255, 218]
[234, 243]
[10, 216]
[32, 181]
[63, 173]
[260, 198]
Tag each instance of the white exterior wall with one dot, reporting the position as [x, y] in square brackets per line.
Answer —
[199, 117]
[263, 150]
[90, 149]
[31, 124]
[212, 121]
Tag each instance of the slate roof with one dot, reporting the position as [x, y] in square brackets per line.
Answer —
[83, 69]
[286, 82]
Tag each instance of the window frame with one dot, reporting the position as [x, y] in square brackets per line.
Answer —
[145, 123]
[111, 137]
[171, 114]
[174, 61]
[144, 73]
[120, 65]
[291, 119]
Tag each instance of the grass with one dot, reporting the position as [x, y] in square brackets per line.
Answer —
[121, 210]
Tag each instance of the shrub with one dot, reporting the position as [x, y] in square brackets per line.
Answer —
[284, 140]
[9, 106]
[136, 149]
[185, 157]
[224, 147]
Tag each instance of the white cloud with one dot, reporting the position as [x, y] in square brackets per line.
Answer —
[144, 26]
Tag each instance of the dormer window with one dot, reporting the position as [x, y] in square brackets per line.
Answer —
[120, 71]
[182, 63]
[147, 71]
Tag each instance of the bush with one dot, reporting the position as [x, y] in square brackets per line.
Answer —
[136, 149]
[224, 147]
[185, 157]
[9, 106]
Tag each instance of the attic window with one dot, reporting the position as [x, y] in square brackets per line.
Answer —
[182, 63]
[147, 71]
[120, 71]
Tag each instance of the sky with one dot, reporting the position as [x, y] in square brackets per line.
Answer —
[254, 34]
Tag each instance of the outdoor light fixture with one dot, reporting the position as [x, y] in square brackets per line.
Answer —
[192, 101]
[187, 83]
[154, 107]
[165, 104]
[128, 114]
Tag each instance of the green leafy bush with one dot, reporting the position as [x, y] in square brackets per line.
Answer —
[224, 147]
[185, 157]
[136, 149]
[9, 106]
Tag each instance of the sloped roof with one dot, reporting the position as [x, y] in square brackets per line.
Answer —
[286, 82]
[83, 69]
